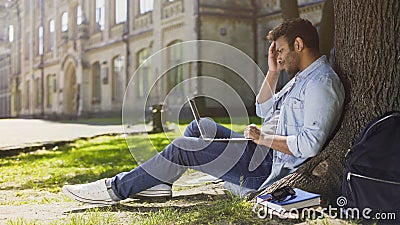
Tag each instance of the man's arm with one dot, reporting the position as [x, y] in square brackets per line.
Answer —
[276, 142]
[269, 85]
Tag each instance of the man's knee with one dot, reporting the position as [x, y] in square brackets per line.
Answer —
[188, 144]
[192, 126]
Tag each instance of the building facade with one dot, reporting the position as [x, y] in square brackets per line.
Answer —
[5, 66]
[5, 72]
[74, 58]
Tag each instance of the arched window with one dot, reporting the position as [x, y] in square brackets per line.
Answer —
[175, 75]
[40, 52]
[79, 16]
[100, 14]
[118, 88]
[38, 93]
[146, 6]
[11, 33]
[50, 89]
[51, 34]
[96, 83]
[144, 73]
[120, 11]
[28, 95]
[64, 22]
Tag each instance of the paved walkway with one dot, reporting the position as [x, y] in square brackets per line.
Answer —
[19, 133]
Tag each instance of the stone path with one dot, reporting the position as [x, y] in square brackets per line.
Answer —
[19, 133]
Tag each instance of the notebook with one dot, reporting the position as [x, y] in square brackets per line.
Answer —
[196, 116]
[302, 199]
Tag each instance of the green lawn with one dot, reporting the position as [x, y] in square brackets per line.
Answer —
[46, 171]
[88, 160]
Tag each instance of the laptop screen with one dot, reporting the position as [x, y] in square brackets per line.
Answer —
[195, 113]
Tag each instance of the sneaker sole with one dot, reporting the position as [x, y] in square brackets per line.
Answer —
[154, 194]
[84, 200]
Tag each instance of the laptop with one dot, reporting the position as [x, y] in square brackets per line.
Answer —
[196, 116]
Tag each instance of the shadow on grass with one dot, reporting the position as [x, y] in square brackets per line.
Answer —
[80, 162]
[189, 209]
[155, 204]
[96, 121]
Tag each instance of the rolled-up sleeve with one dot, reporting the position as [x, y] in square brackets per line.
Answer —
[324, 99]
[265, 109]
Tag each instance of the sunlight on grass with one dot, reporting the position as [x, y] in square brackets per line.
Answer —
[91, 217]
[220, 210]
[47, 170]
[22, 221]
[81, 161]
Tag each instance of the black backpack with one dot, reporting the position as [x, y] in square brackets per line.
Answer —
[372, 173]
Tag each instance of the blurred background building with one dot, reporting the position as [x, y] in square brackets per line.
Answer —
[74, 58]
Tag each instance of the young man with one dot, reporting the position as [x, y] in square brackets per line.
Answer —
[298, 121]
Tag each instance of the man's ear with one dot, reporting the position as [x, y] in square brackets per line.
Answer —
[298, 44]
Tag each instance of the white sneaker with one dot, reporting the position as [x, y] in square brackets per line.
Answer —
[161, 190]
[92, 193]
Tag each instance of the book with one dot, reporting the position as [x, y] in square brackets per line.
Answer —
[302, 199]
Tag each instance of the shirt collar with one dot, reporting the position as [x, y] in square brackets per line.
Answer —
[311, 67]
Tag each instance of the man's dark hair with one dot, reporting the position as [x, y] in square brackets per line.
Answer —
[293, 28]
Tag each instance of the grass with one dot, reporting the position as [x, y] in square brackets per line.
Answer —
[96, 121]
[47, 170]
[220, 210]
[216, 210]
[79, 162]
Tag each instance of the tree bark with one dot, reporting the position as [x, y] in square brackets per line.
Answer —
[326, 29]
[367, 59]
[289, 9]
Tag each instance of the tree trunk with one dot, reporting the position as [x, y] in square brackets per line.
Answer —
[367, 59]
[327, 29]
[289, 9]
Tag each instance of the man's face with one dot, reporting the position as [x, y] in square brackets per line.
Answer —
[289, 60]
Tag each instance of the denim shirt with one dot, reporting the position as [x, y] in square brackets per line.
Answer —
[311, 106]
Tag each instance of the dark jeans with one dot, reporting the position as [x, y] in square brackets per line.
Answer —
[226, 160]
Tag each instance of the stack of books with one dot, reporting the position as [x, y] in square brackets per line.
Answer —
[302, 199]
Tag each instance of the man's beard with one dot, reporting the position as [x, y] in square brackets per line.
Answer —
[292, 71]
[292, 61]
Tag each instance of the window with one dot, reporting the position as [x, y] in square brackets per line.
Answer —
[144, 74]
[100, 14]
[120, 11]
[40, 40]
[50, 89]
[64, 22]
[38, 92]
[27, 94]
[11, 33]
[79, 17]
[146, 6]
[96, 83]
[117, 81]
[51, 34]
[175, 75]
